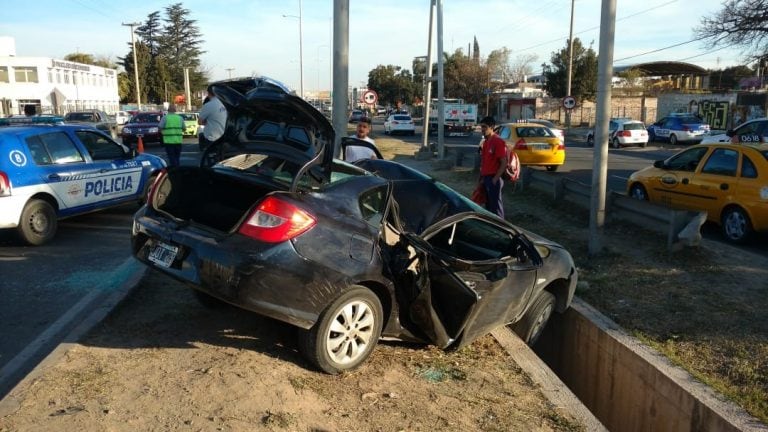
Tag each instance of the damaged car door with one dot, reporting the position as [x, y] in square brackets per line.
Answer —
[468, 275]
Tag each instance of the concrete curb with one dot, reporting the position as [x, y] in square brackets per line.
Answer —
[89, 312]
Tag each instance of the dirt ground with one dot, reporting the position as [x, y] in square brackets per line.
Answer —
[163, 362]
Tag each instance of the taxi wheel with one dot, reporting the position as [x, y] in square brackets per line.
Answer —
[637, 191]
[736, 225]
[552, 168]
[38, 222]
[673, 139]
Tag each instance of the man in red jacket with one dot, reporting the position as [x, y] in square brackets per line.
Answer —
[493, 163]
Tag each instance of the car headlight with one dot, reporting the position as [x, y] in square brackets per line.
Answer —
[153, 130]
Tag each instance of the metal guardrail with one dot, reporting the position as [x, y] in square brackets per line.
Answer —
[619, 207]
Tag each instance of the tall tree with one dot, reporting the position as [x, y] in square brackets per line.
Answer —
[740, 23]
[151, 33]
[498, 64]
[181, 43]
[729, 78]
[464, 78]
[583, 77]
[393, 84]
[522, 67]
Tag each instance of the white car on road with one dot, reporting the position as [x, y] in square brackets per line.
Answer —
[399, 123]
[623, 132]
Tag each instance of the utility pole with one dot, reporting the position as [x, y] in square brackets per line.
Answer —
[440, 84]
[600, 160]
[570, 70]
[229, 71]
[428, 81]
[135, 64]
[340, 71]
[187, 95]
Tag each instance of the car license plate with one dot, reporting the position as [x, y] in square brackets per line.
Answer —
[163, 254]
[539, 146]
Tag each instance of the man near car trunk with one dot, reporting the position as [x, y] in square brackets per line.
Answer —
[172, 128]
[493, 163]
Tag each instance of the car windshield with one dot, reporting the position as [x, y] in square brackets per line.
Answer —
[146, 118]
[634, 126]
[534, 132]
[79, 117]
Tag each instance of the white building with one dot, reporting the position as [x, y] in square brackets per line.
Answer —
[52, 85]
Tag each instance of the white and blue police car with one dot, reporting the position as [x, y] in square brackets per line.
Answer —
[50, 170]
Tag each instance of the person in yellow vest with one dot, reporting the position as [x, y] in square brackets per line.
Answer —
[172, 128]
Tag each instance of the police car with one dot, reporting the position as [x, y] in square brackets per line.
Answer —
[678, 128]
[50, 170]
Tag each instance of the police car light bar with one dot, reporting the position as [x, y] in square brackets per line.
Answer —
[34, 120]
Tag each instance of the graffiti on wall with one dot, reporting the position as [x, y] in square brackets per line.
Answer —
[715, 113]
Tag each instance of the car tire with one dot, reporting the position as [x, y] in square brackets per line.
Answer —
[736, 225]
[638, 192]
[673, 139]
[552, 168]
[532, 324]
[616, 143]
[346, 332]
[590, 140]
[38, 222]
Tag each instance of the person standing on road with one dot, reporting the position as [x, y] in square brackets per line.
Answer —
[493, 163]
[214, 117]
[172, 128]
[354, 152]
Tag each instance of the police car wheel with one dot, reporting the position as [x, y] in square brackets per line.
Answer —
[38, 222]
[145, 192]
[673, 139]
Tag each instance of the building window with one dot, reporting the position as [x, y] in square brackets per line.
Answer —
[4, 74]
[58, 76]
[66, 77]
[25, 74]
[50, 75]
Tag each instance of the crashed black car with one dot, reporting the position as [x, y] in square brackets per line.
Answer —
[349, 254]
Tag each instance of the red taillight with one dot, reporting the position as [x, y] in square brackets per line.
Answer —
[5, 185]
[561, 146]
[521, 145]
[625, 133]
[153, 187]
[275, 220]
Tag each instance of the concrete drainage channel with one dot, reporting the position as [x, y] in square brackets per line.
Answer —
[626, 385]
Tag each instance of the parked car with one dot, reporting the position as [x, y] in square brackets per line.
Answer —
[557, 131]
[190, 123]
[122, 117]
[346, 253]
[146, 124]
[623, 132]
[727, 181]
[52, 171]
[678, 128]
[356, 115]
[399, 124]
[96, 118]
[534, 144]
[751, 131]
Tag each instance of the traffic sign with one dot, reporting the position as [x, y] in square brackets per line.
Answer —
[370, 97]
[569, 102]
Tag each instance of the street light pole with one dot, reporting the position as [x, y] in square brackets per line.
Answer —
[301, 53]
[135, 64]
[570, 69]
[229, 71]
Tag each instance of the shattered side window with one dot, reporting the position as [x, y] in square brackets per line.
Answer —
[472, 240]
[373, 205]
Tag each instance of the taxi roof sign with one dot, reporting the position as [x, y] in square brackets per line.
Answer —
[33, 120]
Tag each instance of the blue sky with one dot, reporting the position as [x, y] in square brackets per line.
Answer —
[252, 36]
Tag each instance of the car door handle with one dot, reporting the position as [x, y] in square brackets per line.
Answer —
[54, 177]
[684, 181]
[724, 186]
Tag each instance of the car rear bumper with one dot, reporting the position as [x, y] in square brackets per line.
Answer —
[270, 279]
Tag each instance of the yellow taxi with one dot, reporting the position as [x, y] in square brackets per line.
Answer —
[728, 181]
[534, 144]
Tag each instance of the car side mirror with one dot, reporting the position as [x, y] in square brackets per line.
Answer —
[730, 132]
[658, 164]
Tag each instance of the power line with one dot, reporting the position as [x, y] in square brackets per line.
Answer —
[660, 49]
